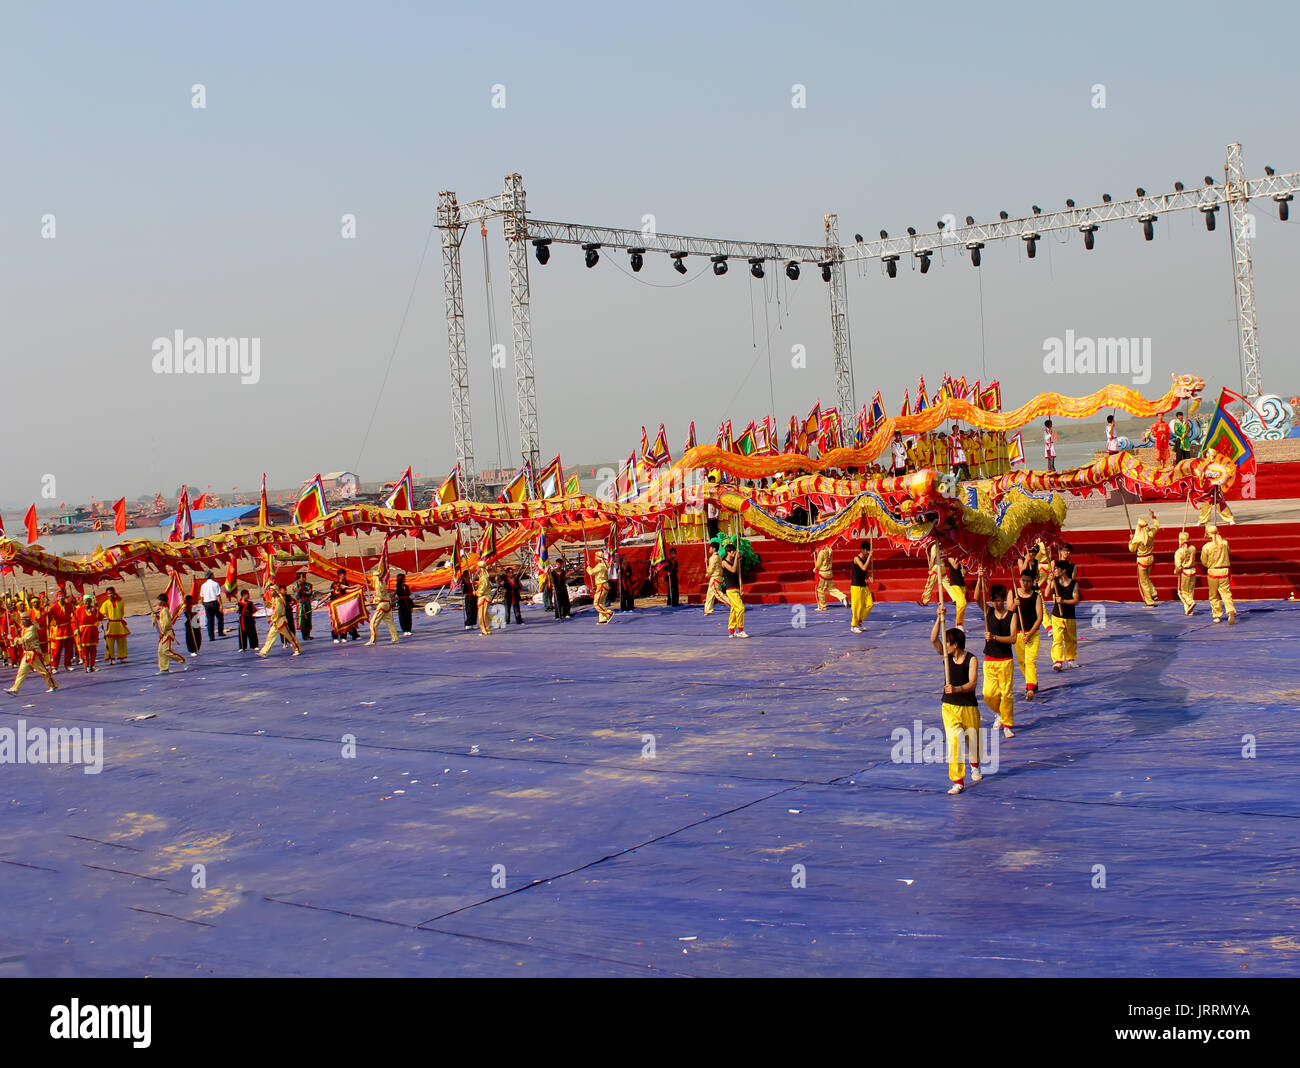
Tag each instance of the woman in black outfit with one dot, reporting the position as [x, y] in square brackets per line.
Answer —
[405, 603]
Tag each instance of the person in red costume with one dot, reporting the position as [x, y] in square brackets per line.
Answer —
[1160, 435]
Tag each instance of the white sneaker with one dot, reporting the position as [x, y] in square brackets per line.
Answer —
[976, 774]
[856, 630]
[957, 788]
[741, 634]
[1007, 732]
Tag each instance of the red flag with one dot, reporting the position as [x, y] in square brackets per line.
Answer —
[195, 587]
[30, 520]
[201, 501]
[232, 579]
[2, 526]
[175, 596]
[119, 516]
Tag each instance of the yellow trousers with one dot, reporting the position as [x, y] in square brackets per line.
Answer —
[712, 594]
[598, 599]
[280, 630]
[167, 653]
[28, 664]
[961, 724]
[115, 647]
[1224, 511]
[999, 675]
[484, 617]
[1027, 657]
[1145, 587]
[736, 620]
[1065, 639]
[958, 595]
[860, 604]
[1220, 596]
[383, 615]
[1187, 589]
[825, 586]
[929, 587]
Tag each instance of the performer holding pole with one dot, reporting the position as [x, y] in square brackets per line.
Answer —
[1215, 560]
[1028, 605]
[859, 590]
[959, 708]
[1185, 572]
[33, 657]
[731, 584]
[824, 574]
[166, 622]
[1143, 544]
[1001, 629]
[278, 625]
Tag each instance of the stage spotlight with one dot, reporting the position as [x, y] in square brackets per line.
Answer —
[939, 224]
[1209, 180]
[719, 264]
[592, 256]
[1148, 226]
[1283, 205]
[891, 266]
[1208, 211]
[924, 257]
[970, 220]
[638, 258]
[1089, 231]
[1038, 210]
[884, 235]
[542, 246]
[825, 265]
[678, 265]
[911, 231]
[1178, 187]
[1003, 216]
[975, 247]
[792, 271]
[857, 238]
[1069, 203]
[756, 267]
[1105, 198]
[1269, 171]
[1031, 244]
[1141, 192]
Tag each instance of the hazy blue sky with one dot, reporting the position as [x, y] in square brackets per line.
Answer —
[225, 221]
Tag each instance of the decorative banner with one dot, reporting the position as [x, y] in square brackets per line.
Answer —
[348, 611]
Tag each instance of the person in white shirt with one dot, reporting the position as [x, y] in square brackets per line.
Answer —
[1112, 439]
[210, 592]
[1049, 444]
[898, 456]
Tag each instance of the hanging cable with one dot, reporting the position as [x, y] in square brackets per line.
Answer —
[396, 341]
[498, 398]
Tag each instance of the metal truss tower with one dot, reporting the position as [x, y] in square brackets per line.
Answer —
[521, 320]
[841, 350]
[451, 231]
[1243, 274]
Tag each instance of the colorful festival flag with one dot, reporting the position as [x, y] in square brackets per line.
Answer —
[659, 554]
[541, 560]
[175, 595]
[571, 487]
[747, 443]
[449, 491]
[658, 455]
[119, 515]
[29, 520]
[877, 409]
[403, 495]
[690, 437]
[1016, 450]
[792, 436]
[921, 402]
[232, 578]
[907, 405]
[831, 435]
[183, 524]
[625, 486]
[261, 504]
[1225, 436]
[311, 502]
[487, 545]
[518, 488]
[550, 483]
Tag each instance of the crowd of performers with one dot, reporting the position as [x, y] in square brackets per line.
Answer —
[45, 635]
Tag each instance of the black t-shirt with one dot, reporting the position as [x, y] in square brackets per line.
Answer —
[955, 576]
[1065, 589]
[857, 573]
[997, 650]
[959, 675]
[1068, 567]
[1027, 606]
[730, 579]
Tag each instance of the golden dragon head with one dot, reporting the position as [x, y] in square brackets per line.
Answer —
[1187, 386]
